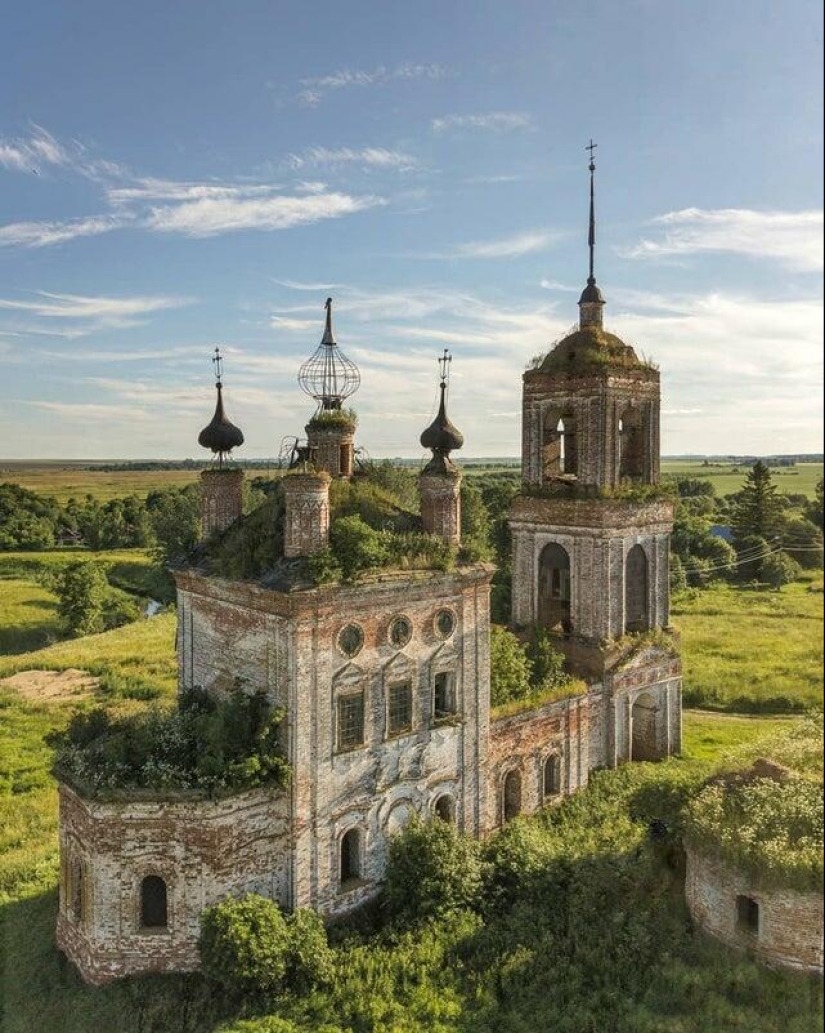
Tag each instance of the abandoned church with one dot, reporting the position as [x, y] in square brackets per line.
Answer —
[384, 681]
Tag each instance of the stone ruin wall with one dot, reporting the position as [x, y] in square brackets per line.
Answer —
[204, 850]
[790, 923]
[523, 743]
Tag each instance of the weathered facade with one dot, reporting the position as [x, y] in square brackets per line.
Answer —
[385, 684]
[781, 927]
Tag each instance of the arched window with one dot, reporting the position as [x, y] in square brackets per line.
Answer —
[747, 915]
[512, 795]
[350, 857]
[552, 775]
[153, 903]
[445, 808]
[78, 891]
[559, 451]
[631, 445]
[554, 588]
[635, 590]
[569, 447]
[443, 695]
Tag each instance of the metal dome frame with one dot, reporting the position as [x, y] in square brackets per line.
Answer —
[328, 375]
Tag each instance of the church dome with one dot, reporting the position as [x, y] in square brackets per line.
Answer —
[588, 347]
[591, 294]
[442, 435]
[219, 434]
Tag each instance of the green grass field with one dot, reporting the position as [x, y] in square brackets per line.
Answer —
[752, 649]
[64, 481]
[800, 479]
[29, 616]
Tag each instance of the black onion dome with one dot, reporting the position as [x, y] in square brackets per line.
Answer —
[219, 434]
[441, 436]
[591, 293]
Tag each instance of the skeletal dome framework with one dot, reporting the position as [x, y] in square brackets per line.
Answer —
[328, 375]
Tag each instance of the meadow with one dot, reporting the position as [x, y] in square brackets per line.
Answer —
[65, 481]
[752, 649]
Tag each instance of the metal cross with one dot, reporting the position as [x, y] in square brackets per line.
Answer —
[444, 366]
[592, 147]
[217, 362]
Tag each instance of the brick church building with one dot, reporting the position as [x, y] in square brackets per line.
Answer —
[385, 683]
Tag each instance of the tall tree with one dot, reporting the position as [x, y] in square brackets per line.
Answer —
[759, 508]
[81, 592]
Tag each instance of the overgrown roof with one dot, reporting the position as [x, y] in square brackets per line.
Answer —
[588, 348]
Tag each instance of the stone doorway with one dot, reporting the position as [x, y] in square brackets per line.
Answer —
[554, 588]
[644, 742]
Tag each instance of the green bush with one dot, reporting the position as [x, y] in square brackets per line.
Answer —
[780, 569]
[205, 744]
[244, 946]
[81, 589]
[432, 870]
[251, 950]
[509, 668]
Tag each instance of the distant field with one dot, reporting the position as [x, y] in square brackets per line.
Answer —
[64, 483]
[752, 650]
[790, 480]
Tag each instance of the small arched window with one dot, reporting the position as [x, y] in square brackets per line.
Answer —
[552, 775]
[635, 590]
[512, 795]
[554, 588]
[569, 449]
[78, 891]
[153, 911]
[350, 868]
[445, 808]
[747, 915]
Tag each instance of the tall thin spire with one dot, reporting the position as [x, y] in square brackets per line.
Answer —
[591, 302]
[591, 233]
[329, 337]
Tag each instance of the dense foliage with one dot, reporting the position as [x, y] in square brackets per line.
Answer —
[771, 827]
[203, 744]
[526, 674]
[81, 589]
[250, 949]
[432, 870]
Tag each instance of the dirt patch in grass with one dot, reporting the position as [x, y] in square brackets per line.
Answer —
[70, 684]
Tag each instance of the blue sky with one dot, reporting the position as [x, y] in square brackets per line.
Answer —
[176, 176]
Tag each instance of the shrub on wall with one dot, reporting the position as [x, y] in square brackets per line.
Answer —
[251, 949]
[432, 870]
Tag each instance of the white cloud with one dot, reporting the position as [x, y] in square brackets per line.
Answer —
[315, 89]
[72, 315]
[29, 154]
[502, 247]
[369, 157]
[204, 218]
[494, 121]
[43, 234]
[150, 189]
[554, 285]
[792, 238]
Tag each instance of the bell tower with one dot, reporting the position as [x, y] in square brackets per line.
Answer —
[591, 529]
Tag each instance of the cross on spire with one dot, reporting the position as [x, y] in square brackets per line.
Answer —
[444, 367]
[217, 362]
[591, 233]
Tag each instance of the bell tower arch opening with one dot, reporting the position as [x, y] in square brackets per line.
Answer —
[644, 740]
[554, 588]
[560, 449]
[631, 445]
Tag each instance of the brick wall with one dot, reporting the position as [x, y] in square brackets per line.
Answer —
[204, 850]
[790, 925]
[221, 500]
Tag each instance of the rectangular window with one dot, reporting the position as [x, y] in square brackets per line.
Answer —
[747, 915]
[399, 718]
[443, 696]
[350, 720]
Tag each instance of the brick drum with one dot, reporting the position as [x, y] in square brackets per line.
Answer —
[786, 928]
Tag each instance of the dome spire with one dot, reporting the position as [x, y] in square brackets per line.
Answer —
[219, 435]
[591, 302]
[441, 436]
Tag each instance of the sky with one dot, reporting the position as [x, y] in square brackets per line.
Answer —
[176, 176]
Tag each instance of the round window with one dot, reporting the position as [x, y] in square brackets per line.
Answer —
[350, 640]
[445, 623]
[400, 631]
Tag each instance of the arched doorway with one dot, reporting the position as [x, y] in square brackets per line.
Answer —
[554, 588]
[552, 776]
[512, 795]
[636, 590]
[350, 866]
[644, 743]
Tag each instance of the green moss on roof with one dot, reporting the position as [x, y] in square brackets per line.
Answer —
[591, 347]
